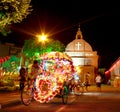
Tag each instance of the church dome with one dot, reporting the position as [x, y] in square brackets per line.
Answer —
[79, 44]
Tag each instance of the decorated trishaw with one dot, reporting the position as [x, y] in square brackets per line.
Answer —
[56, 70]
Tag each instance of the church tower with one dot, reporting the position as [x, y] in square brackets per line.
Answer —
[84, 58]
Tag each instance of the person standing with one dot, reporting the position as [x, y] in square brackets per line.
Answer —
[98, 80]
[87, 82]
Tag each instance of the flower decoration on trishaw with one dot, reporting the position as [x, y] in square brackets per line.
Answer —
[56, 68]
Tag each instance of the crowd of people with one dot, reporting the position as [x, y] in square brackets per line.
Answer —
[78, 86]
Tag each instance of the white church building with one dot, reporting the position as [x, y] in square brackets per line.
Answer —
[83, 57]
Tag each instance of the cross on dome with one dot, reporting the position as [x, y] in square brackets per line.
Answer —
[78, 46]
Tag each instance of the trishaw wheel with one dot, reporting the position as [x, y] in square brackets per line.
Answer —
[26, 95]
[65, 95]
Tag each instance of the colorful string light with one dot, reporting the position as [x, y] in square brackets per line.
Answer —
[56, 68]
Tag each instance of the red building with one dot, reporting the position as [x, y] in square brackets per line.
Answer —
[114, 73]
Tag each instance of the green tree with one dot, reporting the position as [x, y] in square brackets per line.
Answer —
[33, 48]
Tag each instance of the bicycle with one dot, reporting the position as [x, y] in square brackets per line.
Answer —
[78, 89]
[64, 92]
[27, 94]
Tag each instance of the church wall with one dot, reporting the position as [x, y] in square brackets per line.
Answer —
[86, 64]
[84, 70]
[78, 61]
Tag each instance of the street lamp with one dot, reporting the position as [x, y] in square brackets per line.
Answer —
[42, 38]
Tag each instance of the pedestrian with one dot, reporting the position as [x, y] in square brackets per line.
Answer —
[22, 74]
[98, 80]
[86, 82]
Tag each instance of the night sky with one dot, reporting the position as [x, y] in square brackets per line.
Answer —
[99, 22]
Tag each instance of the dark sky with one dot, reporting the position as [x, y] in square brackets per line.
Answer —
[99, 23]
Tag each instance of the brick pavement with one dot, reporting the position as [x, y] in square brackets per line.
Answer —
[13, 98]
[104, 88]
[8, 98]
